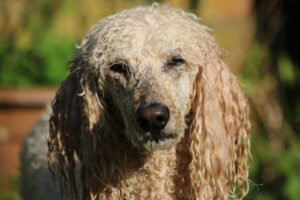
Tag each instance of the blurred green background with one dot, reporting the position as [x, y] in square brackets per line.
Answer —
[38, 37]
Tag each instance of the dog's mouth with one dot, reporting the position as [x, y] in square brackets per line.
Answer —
[158, 140]
[158, 137]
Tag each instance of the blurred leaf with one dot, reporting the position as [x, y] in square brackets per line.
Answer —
[252, 72]
[56, 53]
[292, 188]
[12, 194]
[8, 195]
[43, 64]
[287, 73]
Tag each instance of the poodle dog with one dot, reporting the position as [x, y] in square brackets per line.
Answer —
[150, 111]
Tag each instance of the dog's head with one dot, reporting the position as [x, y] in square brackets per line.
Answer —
[153, 74]
[149, 72]
[147, 65]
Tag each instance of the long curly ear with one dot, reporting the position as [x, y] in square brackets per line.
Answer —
[76, 110]
[219, 142]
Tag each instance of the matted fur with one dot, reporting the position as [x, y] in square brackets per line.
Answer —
[93, 113]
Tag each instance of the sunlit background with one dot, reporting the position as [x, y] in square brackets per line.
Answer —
[262, 41]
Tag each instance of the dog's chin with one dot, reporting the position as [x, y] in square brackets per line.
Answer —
[165, 144]
[157, 141]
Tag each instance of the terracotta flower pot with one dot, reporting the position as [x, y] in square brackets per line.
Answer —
[19, 111]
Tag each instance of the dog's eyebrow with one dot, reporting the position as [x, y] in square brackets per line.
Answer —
[118, 61]
[175, 53]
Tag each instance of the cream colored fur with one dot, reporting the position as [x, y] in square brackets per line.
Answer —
[145, 55]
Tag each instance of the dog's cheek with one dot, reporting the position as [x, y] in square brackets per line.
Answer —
[183, 90]
[120, 102]
[127, 112]
[176, 124]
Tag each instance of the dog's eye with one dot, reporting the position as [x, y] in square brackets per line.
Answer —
[176, 61]
[120, 68]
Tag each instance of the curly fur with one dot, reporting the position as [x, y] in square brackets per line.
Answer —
[93, 113]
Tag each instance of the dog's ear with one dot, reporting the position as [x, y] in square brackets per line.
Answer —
[219, 142]
[76, 113]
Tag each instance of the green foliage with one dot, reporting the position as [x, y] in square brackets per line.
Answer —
[43, 64]
[287, 72]
[275, 175]
[252, 72]
[44, 57]
[11, 194]
[56, 53]
[289, 77]
[7, 195]
[275, 153]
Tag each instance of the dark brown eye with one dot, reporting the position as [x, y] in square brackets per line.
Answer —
[119, 68]
[176, 61]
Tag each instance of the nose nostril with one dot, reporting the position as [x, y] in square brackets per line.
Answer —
[143, 122]
[160, 118]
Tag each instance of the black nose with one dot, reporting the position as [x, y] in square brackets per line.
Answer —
[153, 117]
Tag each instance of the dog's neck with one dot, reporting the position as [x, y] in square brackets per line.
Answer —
[125, 171]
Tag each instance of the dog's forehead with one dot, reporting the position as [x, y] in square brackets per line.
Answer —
[157, 39]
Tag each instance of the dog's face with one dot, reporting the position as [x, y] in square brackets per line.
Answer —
[150, 78]
[153, 94]
[148, 66]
